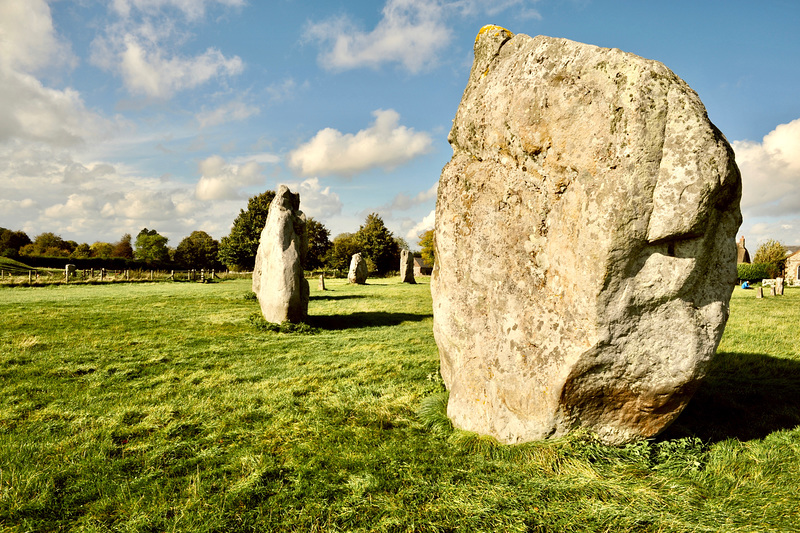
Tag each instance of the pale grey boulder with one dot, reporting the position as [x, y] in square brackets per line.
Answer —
[406, 267]
[278, 279]
[585, 242]
[358, 270]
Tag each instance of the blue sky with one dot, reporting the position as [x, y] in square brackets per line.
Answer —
[169, 114]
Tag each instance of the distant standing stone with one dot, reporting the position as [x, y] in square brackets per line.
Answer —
[407, 267]
[586, 252]
[759, 292]
[358, 270]
[321, 285]
[69, 271]
[278, 279]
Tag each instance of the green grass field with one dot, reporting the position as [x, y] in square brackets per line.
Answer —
[163, 407]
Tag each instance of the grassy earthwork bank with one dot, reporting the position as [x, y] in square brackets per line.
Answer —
[170, 407]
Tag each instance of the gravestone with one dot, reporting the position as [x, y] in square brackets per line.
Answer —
[358, 270]
[406, 267]
[586, 253]
[278, 279]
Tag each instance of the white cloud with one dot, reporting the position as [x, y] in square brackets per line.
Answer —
[317, 201]
[223, 181]
[192, 9]
[384, 144]
[29, 41]
[230, 112]
[403, 202]
[411, 32]
[142, 204]
[138, 46]
[424, 225]
[771, 172]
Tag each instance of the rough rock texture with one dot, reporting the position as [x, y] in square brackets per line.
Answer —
[406, 267]
[278, 279]
[358, 270]
[585, 242]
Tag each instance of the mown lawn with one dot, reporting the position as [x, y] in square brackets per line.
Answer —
[165, 407]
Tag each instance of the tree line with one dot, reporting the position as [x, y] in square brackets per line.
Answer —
[236, 251]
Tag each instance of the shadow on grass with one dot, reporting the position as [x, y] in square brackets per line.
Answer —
[336, 297]
[364, 320]
[744, 396]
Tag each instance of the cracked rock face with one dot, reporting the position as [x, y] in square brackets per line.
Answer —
[278, 279]
[585, 242]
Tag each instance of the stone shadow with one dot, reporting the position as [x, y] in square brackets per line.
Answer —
[336, 297]
[744, 396]
[364, 319]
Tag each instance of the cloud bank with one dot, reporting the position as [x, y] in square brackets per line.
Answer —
[385, 144]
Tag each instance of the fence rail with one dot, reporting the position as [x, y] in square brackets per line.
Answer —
[102, 275]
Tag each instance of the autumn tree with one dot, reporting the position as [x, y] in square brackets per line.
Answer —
[198, 250]
[101, 249]
[319, 242]
[238, 249]
[428, 251]
[123, 248]
[150, 247]
[771, 253]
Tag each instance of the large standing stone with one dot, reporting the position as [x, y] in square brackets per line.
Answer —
[358, 270]
[278, 279]
[585, 232]
[406, 267]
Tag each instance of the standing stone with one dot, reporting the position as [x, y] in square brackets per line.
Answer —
[406, 267]
[358, 270]
[321, 284]
[586, 252]
[278, 279]
[779, 286]
[759, 292]
[69, 271]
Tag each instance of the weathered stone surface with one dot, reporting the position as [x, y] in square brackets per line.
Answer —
[278, 279]
[406, 267]
[321, 284]
[585, 242]
[358, 270]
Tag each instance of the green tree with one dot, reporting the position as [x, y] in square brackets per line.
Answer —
[378, 245]
[150, 247]
[101, 249]
[238, 249]
[426, 242]
[772, 253]
[82, 251]
[48, 244]
[12, 241]
[198, 250]
[319, 242]
[123, 247]
[341, 251]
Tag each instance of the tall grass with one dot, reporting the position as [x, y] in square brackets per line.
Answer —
[162, 407]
